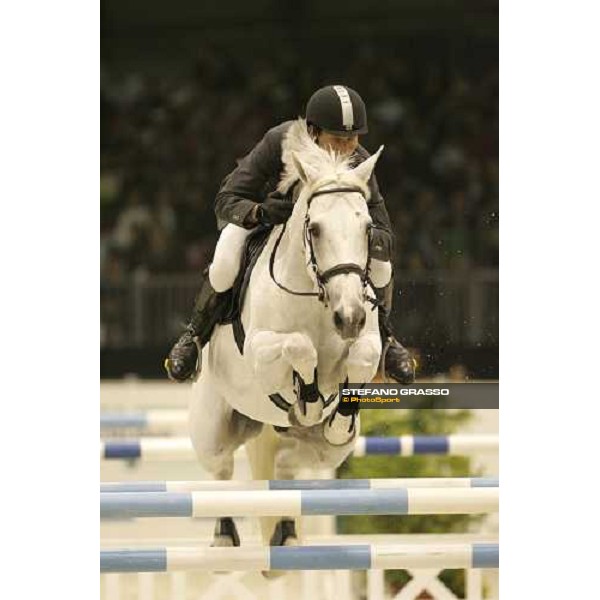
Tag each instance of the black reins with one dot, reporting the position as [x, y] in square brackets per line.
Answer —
[341, 269]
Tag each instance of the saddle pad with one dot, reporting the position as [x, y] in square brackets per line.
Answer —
[255, 243]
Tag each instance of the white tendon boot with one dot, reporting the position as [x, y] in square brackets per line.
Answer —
[341, 428]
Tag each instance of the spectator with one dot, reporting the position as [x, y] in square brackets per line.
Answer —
[166, 144]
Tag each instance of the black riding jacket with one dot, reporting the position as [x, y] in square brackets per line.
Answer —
[258, 174]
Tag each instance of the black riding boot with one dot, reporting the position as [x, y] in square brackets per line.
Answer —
[185, 359]
[398, 363]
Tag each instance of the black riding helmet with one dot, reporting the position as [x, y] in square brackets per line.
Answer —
[337, 109]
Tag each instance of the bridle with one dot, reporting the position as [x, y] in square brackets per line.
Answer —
[323, 277]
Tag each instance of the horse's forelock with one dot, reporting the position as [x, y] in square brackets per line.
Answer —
[297, 140]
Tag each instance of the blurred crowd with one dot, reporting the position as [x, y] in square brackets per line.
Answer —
[167, 142]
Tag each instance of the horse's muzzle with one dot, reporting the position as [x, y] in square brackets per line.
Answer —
[349, 323]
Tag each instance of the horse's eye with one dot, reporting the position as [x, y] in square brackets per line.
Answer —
[315, 230]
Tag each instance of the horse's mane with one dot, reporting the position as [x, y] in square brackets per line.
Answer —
[329, 165]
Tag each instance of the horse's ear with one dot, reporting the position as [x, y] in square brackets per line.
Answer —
[304, 171]
[365, 169]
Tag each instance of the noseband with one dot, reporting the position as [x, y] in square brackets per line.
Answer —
[323, 277]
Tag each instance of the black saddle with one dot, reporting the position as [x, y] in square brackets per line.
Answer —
[255, 244]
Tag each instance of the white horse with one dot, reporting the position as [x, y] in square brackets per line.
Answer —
[309, 327]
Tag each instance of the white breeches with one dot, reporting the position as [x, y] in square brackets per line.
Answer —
[381, 272]
[228, 257]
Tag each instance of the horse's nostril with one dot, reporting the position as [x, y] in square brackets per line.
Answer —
[337, 319]
[362, 320]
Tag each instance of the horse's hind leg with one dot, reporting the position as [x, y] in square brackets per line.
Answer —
[286, 530]
[216, 431]
[261, 455]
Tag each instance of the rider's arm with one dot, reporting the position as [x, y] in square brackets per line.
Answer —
[382, 238]
[244, 187]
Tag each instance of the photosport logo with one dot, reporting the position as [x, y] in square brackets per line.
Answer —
[421, 395]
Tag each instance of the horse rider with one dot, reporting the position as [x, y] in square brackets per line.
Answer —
[335, 117]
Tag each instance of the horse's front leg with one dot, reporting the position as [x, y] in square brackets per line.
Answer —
[279, 359]
[362, 362]
[363, 358]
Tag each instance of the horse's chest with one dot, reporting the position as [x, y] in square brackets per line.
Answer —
[332, 356]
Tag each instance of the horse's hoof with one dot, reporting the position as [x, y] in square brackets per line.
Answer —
[223, 541]
[308, 414]
[285, 531]
[290, 541]
[273, 574]
[226, 534]
[283, 535]
[339, 429]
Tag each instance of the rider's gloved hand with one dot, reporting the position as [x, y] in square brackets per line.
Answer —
[274, 211]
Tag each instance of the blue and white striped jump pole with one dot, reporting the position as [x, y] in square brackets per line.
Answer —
[162, 421]
[293, 503]
[411, 445]
[351, 557]
[167, 449]
[146, 421]
[298, 484]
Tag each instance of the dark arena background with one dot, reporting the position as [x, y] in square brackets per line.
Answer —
[189, 87]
